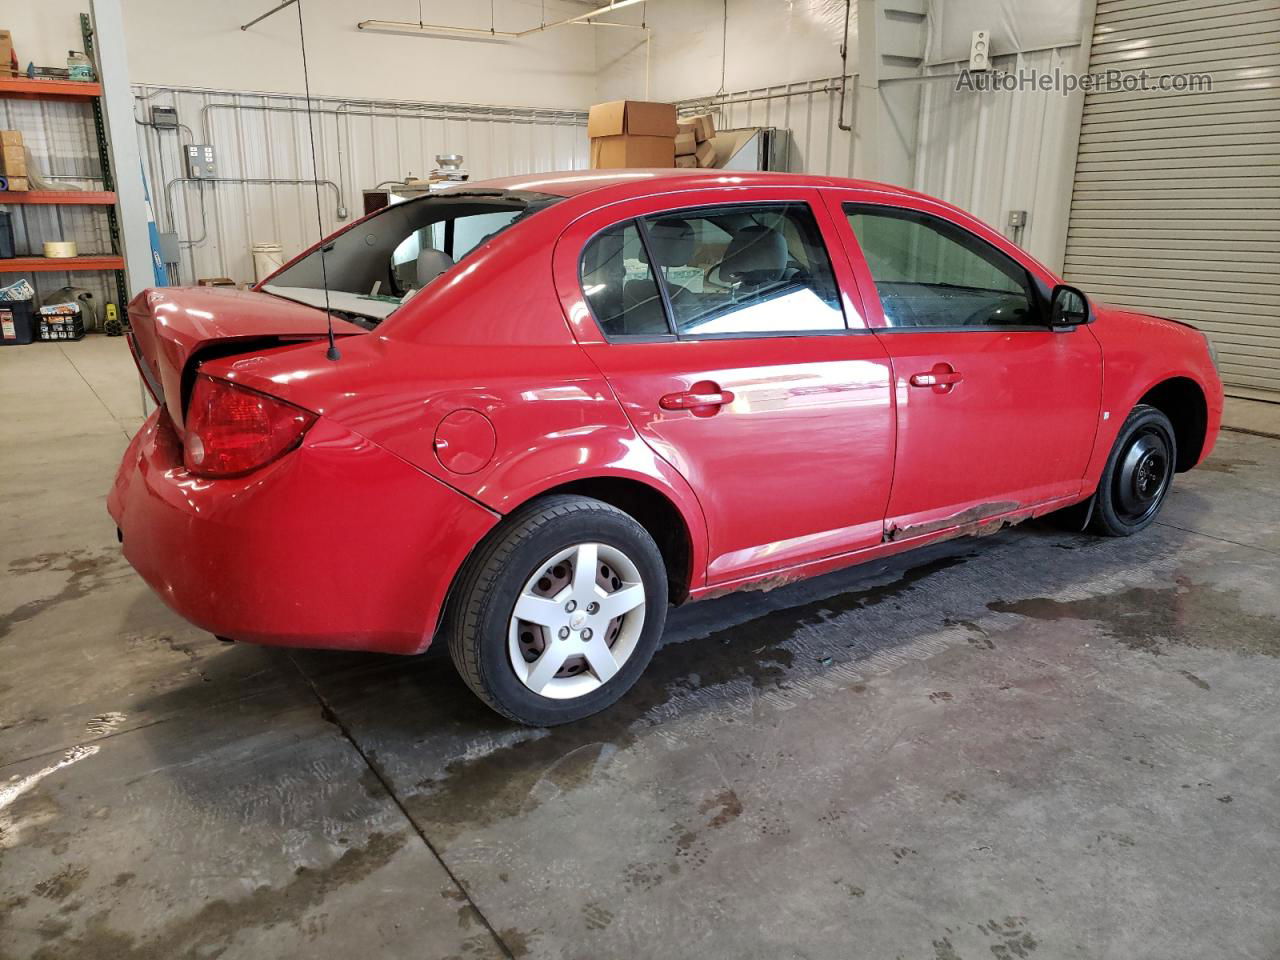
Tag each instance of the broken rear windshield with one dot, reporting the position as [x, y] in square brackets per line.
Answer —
[374, 266]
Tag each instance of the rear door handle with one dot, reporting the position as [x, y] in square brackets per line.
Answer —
[702, 399]
[941, 378]
[688, 400]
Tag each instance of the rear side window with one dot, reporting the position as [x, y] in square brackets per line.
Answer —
[741, 270]
[619, 284]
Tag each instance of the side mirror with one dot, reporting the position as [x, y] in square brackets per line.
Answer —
[1068, 307]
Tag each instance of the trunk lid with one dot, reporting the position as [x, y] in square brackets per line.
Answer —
[170, 328]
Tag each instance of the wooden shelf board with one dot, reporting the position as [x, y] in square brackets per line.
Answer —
[61, 264]
[59, 198]
[26, 89]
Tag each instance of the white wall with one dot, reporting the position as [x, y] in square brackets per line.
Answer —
[767, 43]
[199, 43]
[987, 152]
[204, 47]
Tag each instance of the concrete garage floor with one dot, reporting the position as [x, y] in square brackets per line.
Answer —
[1037, 745]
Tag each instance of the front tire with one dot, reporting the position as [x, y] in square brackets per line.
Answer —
[558, 611]
[1137, 475]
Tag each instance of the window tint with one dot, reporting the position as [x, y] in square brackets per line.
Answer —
[931, 273]
[745, 269]
[619, 284]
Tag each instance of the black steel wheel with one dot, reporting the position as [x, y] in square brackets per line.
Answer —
[1138, 474]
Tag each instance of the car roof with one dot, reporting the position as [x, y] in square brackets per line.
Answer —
[571, 183]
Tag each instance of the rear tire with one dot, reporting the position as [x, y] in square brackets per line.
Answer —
[1137, 475]
[558, 611]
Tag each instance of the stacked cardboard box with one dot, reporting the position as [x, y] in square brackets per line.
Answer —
[13, 159]
[632, 133]
[7, 60]
[703, 129]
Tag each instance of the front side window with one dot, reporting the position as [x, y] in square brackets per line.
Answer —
[749, 269]
[932, 273]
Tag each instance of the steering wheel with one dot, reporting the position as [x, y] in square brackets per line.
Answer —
[1008, 310]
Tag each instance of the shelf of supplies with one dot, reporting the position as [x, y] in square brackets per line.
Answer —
[61, 264]
[60, 198]
[26, 89]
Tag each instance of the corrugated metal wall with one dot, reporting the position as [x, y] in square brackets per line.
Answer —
[993, 152]
[359, 144]
[1176, 208]
[808, 110]
[988, 153]
[69, 126]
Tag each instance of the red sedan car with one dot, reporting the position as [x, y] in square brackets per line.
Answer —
[559, 403]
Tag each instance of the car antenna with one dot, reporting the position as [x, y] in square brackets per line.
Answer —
[332, 352]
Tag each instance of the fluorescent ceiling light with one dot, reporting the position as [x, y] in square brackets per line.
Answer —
[481, 35]
[439, 31]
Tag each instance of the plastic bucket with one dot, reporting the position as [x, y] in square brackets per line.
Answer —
[267, 259]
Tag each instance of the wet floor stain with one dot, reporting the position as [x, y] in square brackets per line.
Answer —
[1227, 465]
[1148, 618]
[86, 571]
[502, 783]
[210, 930]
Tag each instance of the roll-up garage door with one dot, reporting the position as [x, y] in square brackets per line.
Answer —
[1176, 205]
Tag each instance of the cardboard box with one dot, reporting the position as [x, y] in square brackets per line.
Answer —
[13, 160]
[706, 154]
[704, 126]
[18, 184]
[686, 145]
[632, 133]
[10, 138]
[687, 161]
[611, 153]
[637, 117]
[686, 126]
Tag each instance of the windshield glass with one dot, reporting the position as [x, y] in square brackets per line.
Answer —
[374, 266]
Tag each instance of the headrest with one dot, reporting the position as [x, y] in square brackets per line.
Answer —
[431, 263]
[757, 255]
[671, 241]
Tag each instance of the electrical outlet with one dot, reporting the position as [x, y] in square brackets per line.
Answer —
[980, 50]
[200, 165]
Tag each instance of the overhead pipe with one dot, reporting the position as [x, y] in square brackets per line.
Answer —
[720, 101]
[446, 31]
[271, 12]
[844, 68]
[168, 195]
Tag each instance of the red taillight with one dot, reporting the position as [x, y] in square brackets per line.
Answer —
[233, 430]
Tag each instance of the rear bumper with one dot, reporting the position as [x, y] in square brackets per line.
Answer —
[338, 544]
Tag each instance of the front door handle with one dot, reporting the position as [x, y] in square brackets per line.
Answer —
[703, 399]
[942, 378]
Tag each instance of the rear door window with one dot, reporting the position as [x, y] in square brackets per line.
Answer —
[751, 269]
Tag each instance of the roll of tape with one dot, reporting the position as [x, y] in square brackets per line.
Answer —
[60, 248]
